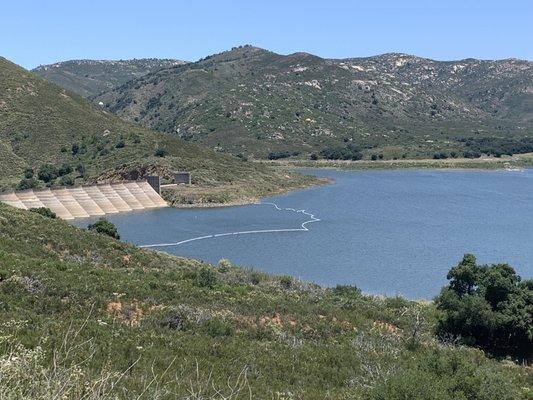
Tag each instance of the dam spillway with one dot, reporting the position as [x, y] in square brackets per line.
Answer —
[88, 201]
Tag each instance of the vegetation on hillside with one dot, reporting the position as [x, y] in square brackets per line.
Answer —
[254, 102]
[49, 136]
[85, 316]
[91, 77]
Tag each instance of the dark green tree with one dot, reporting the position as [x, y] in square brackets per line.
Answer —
[47, 173]
[488, 306]
[45, 212]
[105, 227]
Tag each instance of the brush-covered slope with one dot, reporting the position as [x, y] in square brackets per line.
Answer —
[254, 101]
[41, 123]
[91, 77]
[86, 316]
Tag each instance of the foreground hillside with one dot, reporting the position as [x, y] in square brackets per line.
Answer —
[85, 317]
[252, 101]
[42, 125]
[92, 77]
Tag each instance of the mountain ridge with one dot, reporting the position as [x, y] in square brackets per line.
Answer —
[88, 77]
[254, 101]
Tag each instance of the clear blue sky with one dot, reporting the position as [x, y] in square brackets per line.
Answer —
[45, 31]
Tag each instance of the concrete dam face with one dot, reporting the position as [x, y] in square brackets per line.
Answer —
[88, 201]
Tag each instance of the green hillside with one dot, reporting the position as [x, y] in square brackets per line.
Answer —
[40, 123]
[92, 77]
[87, 317]
[252, 101]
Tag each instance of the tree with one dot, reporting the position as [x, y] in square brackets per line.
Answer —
[488, 306]
[47, 173]
[105, 227]
[27, 183]
[45, 212]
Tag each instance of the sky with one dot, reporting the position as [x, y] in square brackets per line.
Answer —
[41, 32]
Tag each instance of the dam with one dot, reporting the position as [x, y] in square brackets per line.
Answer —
[88, 201]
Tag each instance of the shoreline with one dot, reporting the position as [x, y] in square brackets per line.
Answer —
[315, 181]
[487, 163]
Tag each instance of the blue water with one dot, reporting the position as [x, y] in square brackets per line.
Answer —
[387, 232]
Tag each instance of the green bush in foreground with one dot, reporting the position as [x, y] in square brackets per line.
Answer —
[105, 227]
[488, 306]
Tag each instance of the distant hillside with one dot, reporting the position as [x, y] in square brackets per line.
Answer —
[249, 100]
[40, 123]
[91, 77]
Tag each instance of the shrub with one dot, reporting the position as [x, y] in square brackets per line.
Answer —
[28, 173]
[224, 265]
[349, 152]
[347, 291]
[27, 184]
[120, 144]
[105, 227]
[286, 281]
[374, 157]
[65, 169]
[160, 152]
[66, 181]
[314, 157]
[206, 278]
[45, 212]
[282, 154]
[47, 173]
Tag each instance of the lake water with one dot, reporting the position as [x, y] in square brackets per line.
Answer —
[387, 232]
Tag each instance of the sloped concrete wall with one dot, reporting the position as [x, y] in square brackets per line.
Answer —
[87, 201]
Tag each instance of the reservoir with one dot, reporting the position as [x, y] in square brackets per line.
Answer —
[387, 232]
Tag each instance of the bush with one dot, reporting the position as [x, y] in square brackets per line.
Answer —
[161, 152]
[27, 184]
[65, 169]
[349, 152]
[314, 157]
[28, 173]
[120, 144]
[45, 212]
[206, 278]
[47, 173]
[224, 265]
[66, 181]
[105, 227]
[282, 154]
[286, 281]
[488, 306]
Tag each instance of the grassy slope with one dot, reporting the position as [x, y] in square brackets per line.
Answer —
[39, 123]
[82, 296]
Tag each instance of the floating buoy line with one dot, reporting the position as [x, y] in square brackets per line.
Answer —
[302, 228]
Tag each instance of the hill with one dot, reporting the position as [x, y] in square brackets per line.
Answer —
[86, 316]
[92, 77]
[252, 101]
[41, 123]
